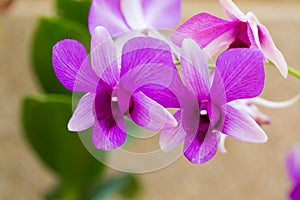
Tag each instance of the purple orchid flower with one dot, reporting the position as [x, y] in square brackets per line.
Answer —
[293, 169]
[119, 17]
[239, 74]
[213, 34]
[113, 93]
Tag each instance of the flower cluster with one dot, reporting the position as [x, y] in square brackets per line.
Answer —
[154, 72]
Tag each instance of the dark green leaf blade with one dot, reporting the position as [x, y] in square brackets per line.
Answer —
[48, 32]
[45, 121]
[76, 10]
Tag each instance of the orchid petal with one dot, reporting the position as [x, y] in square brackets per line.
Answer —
[201, 152]
[161, 95]
[239, 74]
[172, 137]
[107, 13]
[104, 56]
[295, 193]
[72, 66]
[204, 29]
[222, 147]
[133, 13]
[271, 51]
[108, 137]
[149, 114]
[83, 116]
[195, 69]
[145, 50]
[241, 126]
[253, 34]
[293, 163]
[219, 43]
[166, 15]
[232, 11]
[274, 104]
[109, 130]
[149, 74]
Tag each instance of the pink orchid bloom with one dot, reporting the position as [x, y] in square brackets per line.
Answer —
[241, 30]
[118, 17]
[239, 74]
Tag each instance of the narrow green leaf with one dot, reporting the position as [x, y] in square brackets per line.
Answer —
[48, 32]
[76, 10]
[45, 121]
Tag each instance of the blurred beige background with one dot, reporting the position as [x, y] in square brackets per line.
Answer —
[246, 172]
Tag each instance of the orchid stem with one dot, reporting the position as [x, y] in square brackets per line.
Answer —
[294, 72]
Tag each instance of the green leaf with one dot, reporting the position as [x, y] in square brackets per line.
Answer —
[45, 121]
[76, 10]
[126, 184]
[48, 32]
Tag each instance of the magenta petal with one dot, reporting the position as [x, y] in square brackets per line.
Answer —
[232, 11]
[109, 130]
[133, 13]
[201, 152]
[149, 74]
[239, 74]
[195, 69]
[107, 13]
[204, 29]
[161, 95]
[72, 66]
[107, 135]
[150, 115]
[293, 163]
[171, 137]
[295, 193]
[162, 14]
[83, 116]
[241, 126]
[104, 56]
[145, 50]
[271, 51]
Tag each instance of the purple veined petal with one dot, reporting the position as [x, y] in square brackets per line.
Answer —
[241, 126]
[204, 29]
[104, 57]
[221, 146]
[109, 130]
[201, 152]
[220, 43]
[195, 69]
[162, 14]
[146, 74]
[133, 13]
[149, 114]
[145, 50]
[271, 51]
[108, 138]
[253, 34]
[162, 95]
[232, 11]
[293, 163]
[107, 13]
[83, 116]
[172, 137]
[295, 193]
[239, 74]
[274, 104]
[72, 66]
